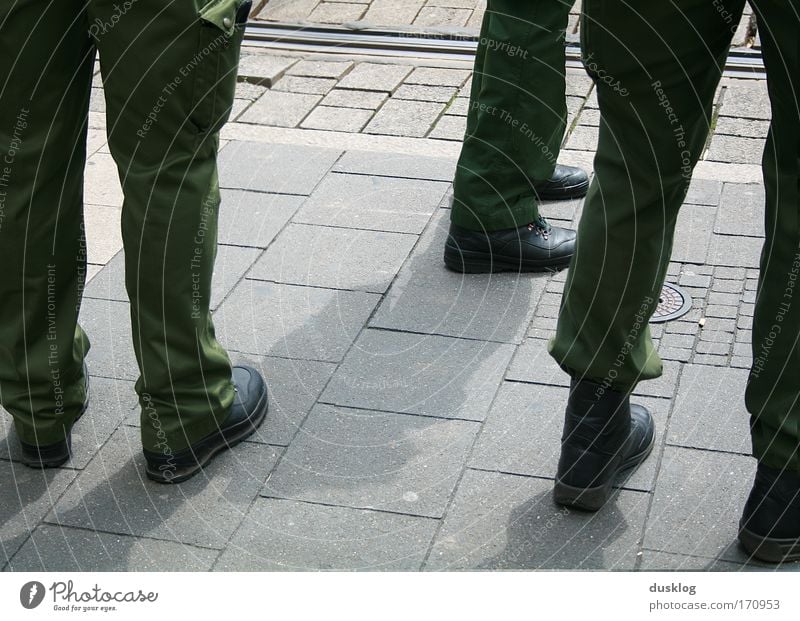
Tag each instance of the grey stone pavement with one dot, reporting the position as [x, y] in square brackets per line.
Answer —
[415, 415]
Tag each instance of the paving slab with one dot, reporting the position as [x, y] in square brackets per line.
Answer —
[693, 233]
[397, 165]
[735, 251]
[420, 374]
[741, 210]
[522, 434]
[113, 495]
[108, 325]
[263, 69]
[664, 561]
[372, 203]
[428, 298]
[697, 504]
[60, 548]
[336, 258]
[374, 460]
[400, 117]
[254, 218]
[709, 410]
[281, 169]
[110, 402]
[375, 77]
[502, 521]
[26, 496]
[288, 321]
[285, 535]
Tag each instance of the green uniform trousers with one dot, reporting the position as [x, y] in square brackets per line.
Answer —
[656, 67]
[169, 75]
[517, 114]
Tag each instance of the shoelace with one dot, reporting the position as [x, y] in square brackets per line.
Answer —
[541, 227]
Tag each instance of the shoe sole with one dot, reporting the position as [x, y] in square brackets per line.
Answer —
[237, 434]
[472, 262]
[568, 193]
[593, 498]
[769, 549]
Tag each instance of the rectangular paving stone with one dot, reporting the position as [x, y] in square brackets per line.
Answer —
[397, 165]
[372, 203]
[306, 85]
[426, 297]
[450, 128]
[231, 264]
[664, 386]
[264, 69]
[204, 511]
[59, 548]
[697, 504]
[703, 192]
[735, 251]
[420, 374]
[735, 150]
[110, 401]
[522, 434]
[336, 258]
[741, 127]
[280, 109]
[254, 218]
[288, 321]
[375, 77]
[337, 119]
[343, 98]
[26, 496]
[693, 234]
[374, 460]
[533, 364]
[507, 522]
[741, 210]
[337, 12]
[103, 232]
[399, 117]
[709, 410]
[419, 92]
[433, 76]
[284, 535]
[746, 98]
[108, 324]
[320, 68]
[281, 169]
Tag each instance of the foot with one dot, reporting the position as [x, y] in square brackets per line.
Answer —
[247, 413]
[536, 247]
[604, 436]
[770, 526]
[567, 182]
[58, 453]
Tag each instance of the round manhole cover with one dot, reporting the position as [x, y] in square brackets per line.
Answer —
[674, 302]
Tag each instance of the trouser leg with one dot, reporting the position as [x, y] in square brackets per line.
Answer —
[169, 71]
[773, 391]
[517, 114]
[656, 67]
[46, 61]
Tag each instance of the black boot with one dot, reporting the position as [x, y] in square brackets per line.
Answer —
[247, 413]
[536, 247]
[770, 526]
[56, 454]
[604, 435]
[567, 182]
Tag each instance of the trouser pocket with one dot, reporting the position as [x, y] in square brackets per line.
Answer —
[221, 26]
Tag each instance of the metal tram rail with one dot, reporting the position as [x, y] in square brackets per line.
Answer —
[435, 45]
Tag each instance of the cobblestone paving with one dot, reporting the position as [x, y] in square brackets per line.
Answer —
[415, 414]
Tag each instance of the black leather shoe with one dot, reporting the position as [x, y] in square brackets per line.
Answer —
[536, 247]
[247, 413]
[604, 435]
[770, 526]
[567, 182]
[56, 454]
